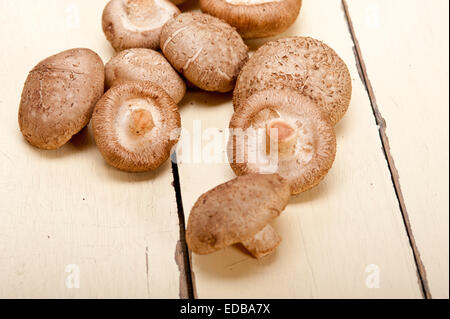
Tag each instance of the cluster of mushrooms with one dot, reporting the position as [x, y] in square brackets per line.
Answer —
[296, 86]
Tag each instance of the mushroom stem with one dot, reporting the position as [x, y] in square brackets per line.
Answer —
[141, 122]
[263, 243]
[286, 137]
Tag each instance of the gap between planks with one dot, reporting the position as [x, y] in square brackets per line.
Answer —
[182, 253]
[381, 122]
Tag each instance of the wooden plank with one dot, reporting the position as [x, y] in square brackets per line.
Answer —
[404, 45]
[66, 211]
[338, 236]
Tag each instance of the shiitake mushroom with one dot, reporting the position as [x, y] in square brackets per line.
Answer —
[303, 138]
[145, 65]
[255, 18]
[206, 50]
[136, 23]
[306, 65]
[136, 124]
[59, 96]
[239, 211]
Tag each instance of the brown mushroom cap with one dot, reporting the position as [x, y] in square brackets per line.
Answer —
[303, 162]
[205, 49]
[235, 211]
[303, 64]
[255, 18]
[59, 96]
[136, 23]
[177, 2]
[145, 65]
[136, 124]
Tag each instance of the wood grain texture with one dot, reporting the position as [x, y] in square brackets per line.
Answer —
[404, 45]
[67, 207]
[332, 234]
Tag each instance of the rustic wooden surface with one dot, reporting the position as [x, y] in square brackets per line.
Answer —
[67, 207]
[331, 234]
[377, 227]
[404, 45]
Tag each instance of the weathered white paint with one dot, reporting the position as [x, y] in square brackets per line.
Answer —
[66, 217]
[407, 62]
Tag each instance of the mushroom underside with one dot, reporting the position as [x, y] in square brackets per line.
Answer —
[136, 124]
[302, 152]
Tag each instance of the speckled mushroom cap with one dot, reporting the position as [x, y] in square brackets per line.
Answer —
[136, 23]
[205, 49]
[304, 64]
[136, 124]
[255, 18]
[306, 155]
[145, 65]
[235, 211]
[59, 96]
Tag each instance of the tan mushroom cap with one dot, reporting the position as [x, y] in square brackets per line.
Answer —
[145, 65]
[255, 18]
[136, 124]
[303, 64]
[136, 23]
[209, 52]
[238, 212]
[59, 96]
[306, 145]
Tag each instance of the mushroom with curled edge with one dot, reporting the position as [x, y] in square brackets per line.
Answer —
[239, 211]
[206, 50]
[136, 23]
[306, 65]
[136, 124]
[306, 141]
[59, 97]
[255, 18]
[145, 65]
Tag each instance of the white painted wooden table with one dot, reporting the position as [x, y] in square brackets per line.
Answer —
[377, 227]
